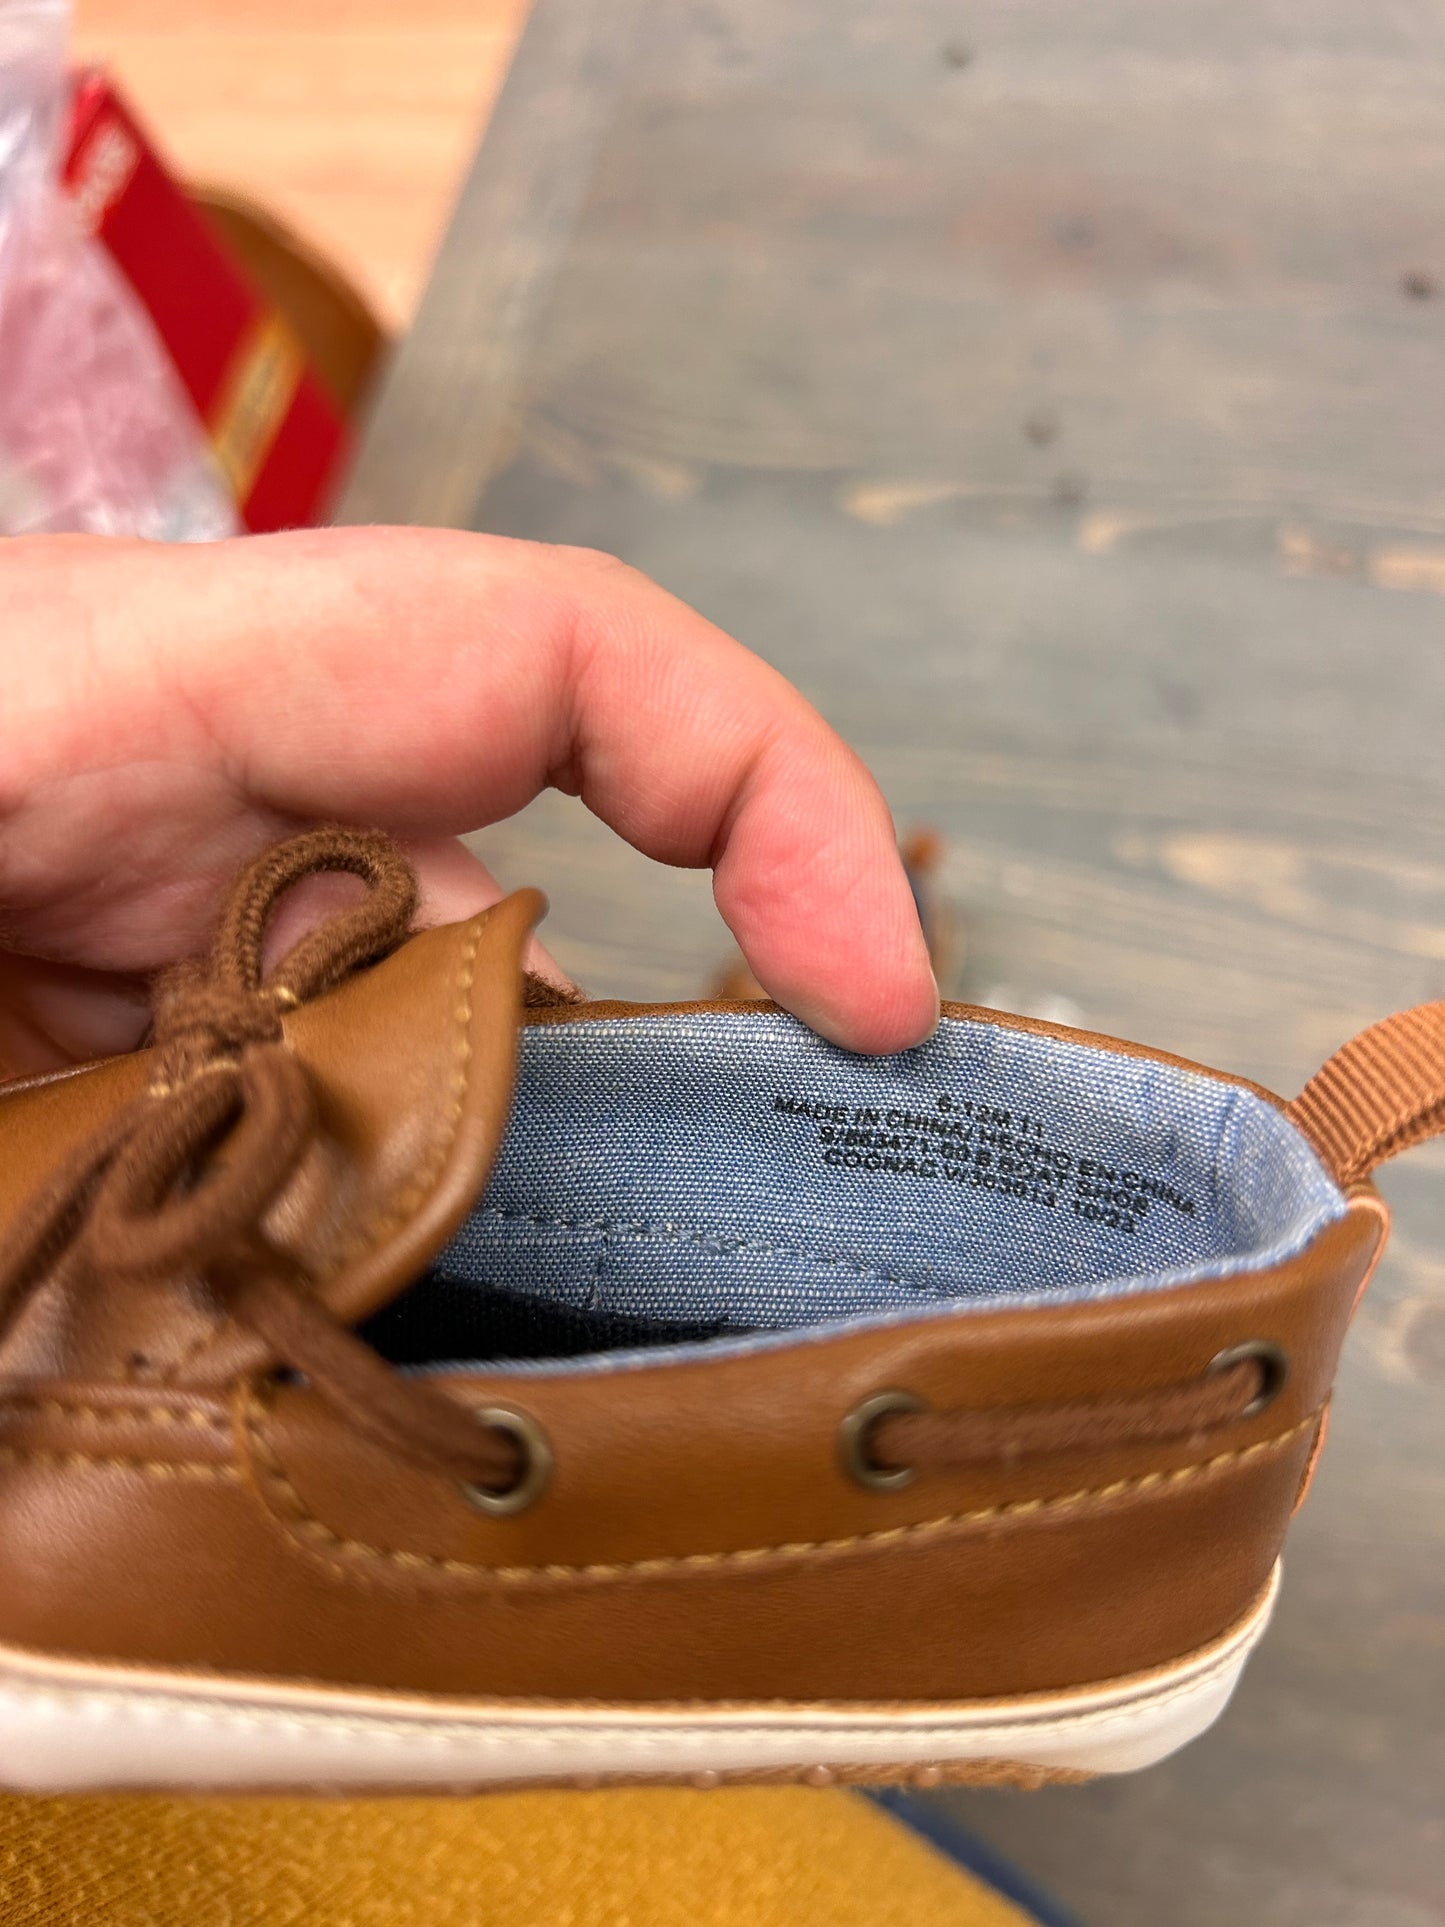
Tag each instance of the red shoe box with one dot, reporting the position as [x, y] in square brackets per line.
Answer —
[279, 438]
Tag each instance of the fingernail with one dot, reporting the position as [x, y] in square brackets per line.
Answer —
[937, 1012]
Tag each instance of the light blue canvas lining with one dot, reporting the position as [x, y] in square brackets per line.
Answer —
[734, 1169]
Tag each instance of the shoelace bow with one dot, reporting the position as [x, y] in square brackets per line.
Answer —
[177, 1184]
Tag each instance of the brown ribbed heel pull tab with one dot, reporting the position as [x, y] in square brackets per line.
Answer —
[1378, 1094]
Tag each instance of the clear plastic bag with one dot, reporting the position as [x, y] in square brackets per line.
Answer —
[96, 432]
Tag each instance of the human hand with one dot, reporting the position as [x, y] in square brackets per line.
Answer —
[167, 711]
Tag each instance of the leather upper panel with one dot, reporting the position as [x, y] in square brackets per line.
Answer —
[734, 1557]
[412, 1066]
[698, 1537]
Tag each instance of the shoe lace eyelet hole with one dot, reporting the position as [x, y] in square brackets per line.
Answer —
[853, 1442]
[536, 1454]
[1273, 1363]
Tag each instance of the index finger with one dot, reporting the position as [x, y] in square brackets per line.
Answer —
[434, 681]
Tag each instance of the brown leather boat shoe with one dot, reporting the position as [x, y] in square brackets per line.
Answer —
[740, 1409]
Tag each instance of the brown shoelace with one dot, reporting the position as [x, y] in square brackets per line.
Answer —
[177, 1183]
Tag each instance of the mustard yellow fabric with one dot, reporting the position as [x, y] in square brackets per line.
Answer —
[766, 1857]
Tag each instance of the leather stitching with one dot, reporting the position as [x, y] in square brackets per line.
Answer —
[297, 1519]
[152, 1468]
[404, 1202]
[150, 1414]
[423, 1180]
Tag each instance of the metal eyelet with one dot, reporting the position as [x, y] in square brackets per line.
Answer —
[853, 1442]
[536, 1452]
[1273, 1363]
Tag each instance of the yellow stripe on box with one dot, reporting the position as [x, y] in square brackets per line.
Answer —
[747, 1858]
[252, 401]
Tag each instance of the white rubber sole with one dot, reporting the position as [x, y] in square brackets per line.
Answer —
[72, 1727]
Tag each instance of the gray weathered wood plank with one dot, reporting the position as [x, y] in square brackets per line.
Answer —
[445, 423]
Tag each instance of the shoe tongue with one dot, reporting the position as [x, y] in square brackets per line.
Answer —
[412, 1064]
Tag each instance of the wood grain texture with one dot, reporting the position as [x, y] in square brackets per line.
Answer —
[352, 119]
[1057, 396]
[439, 436]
